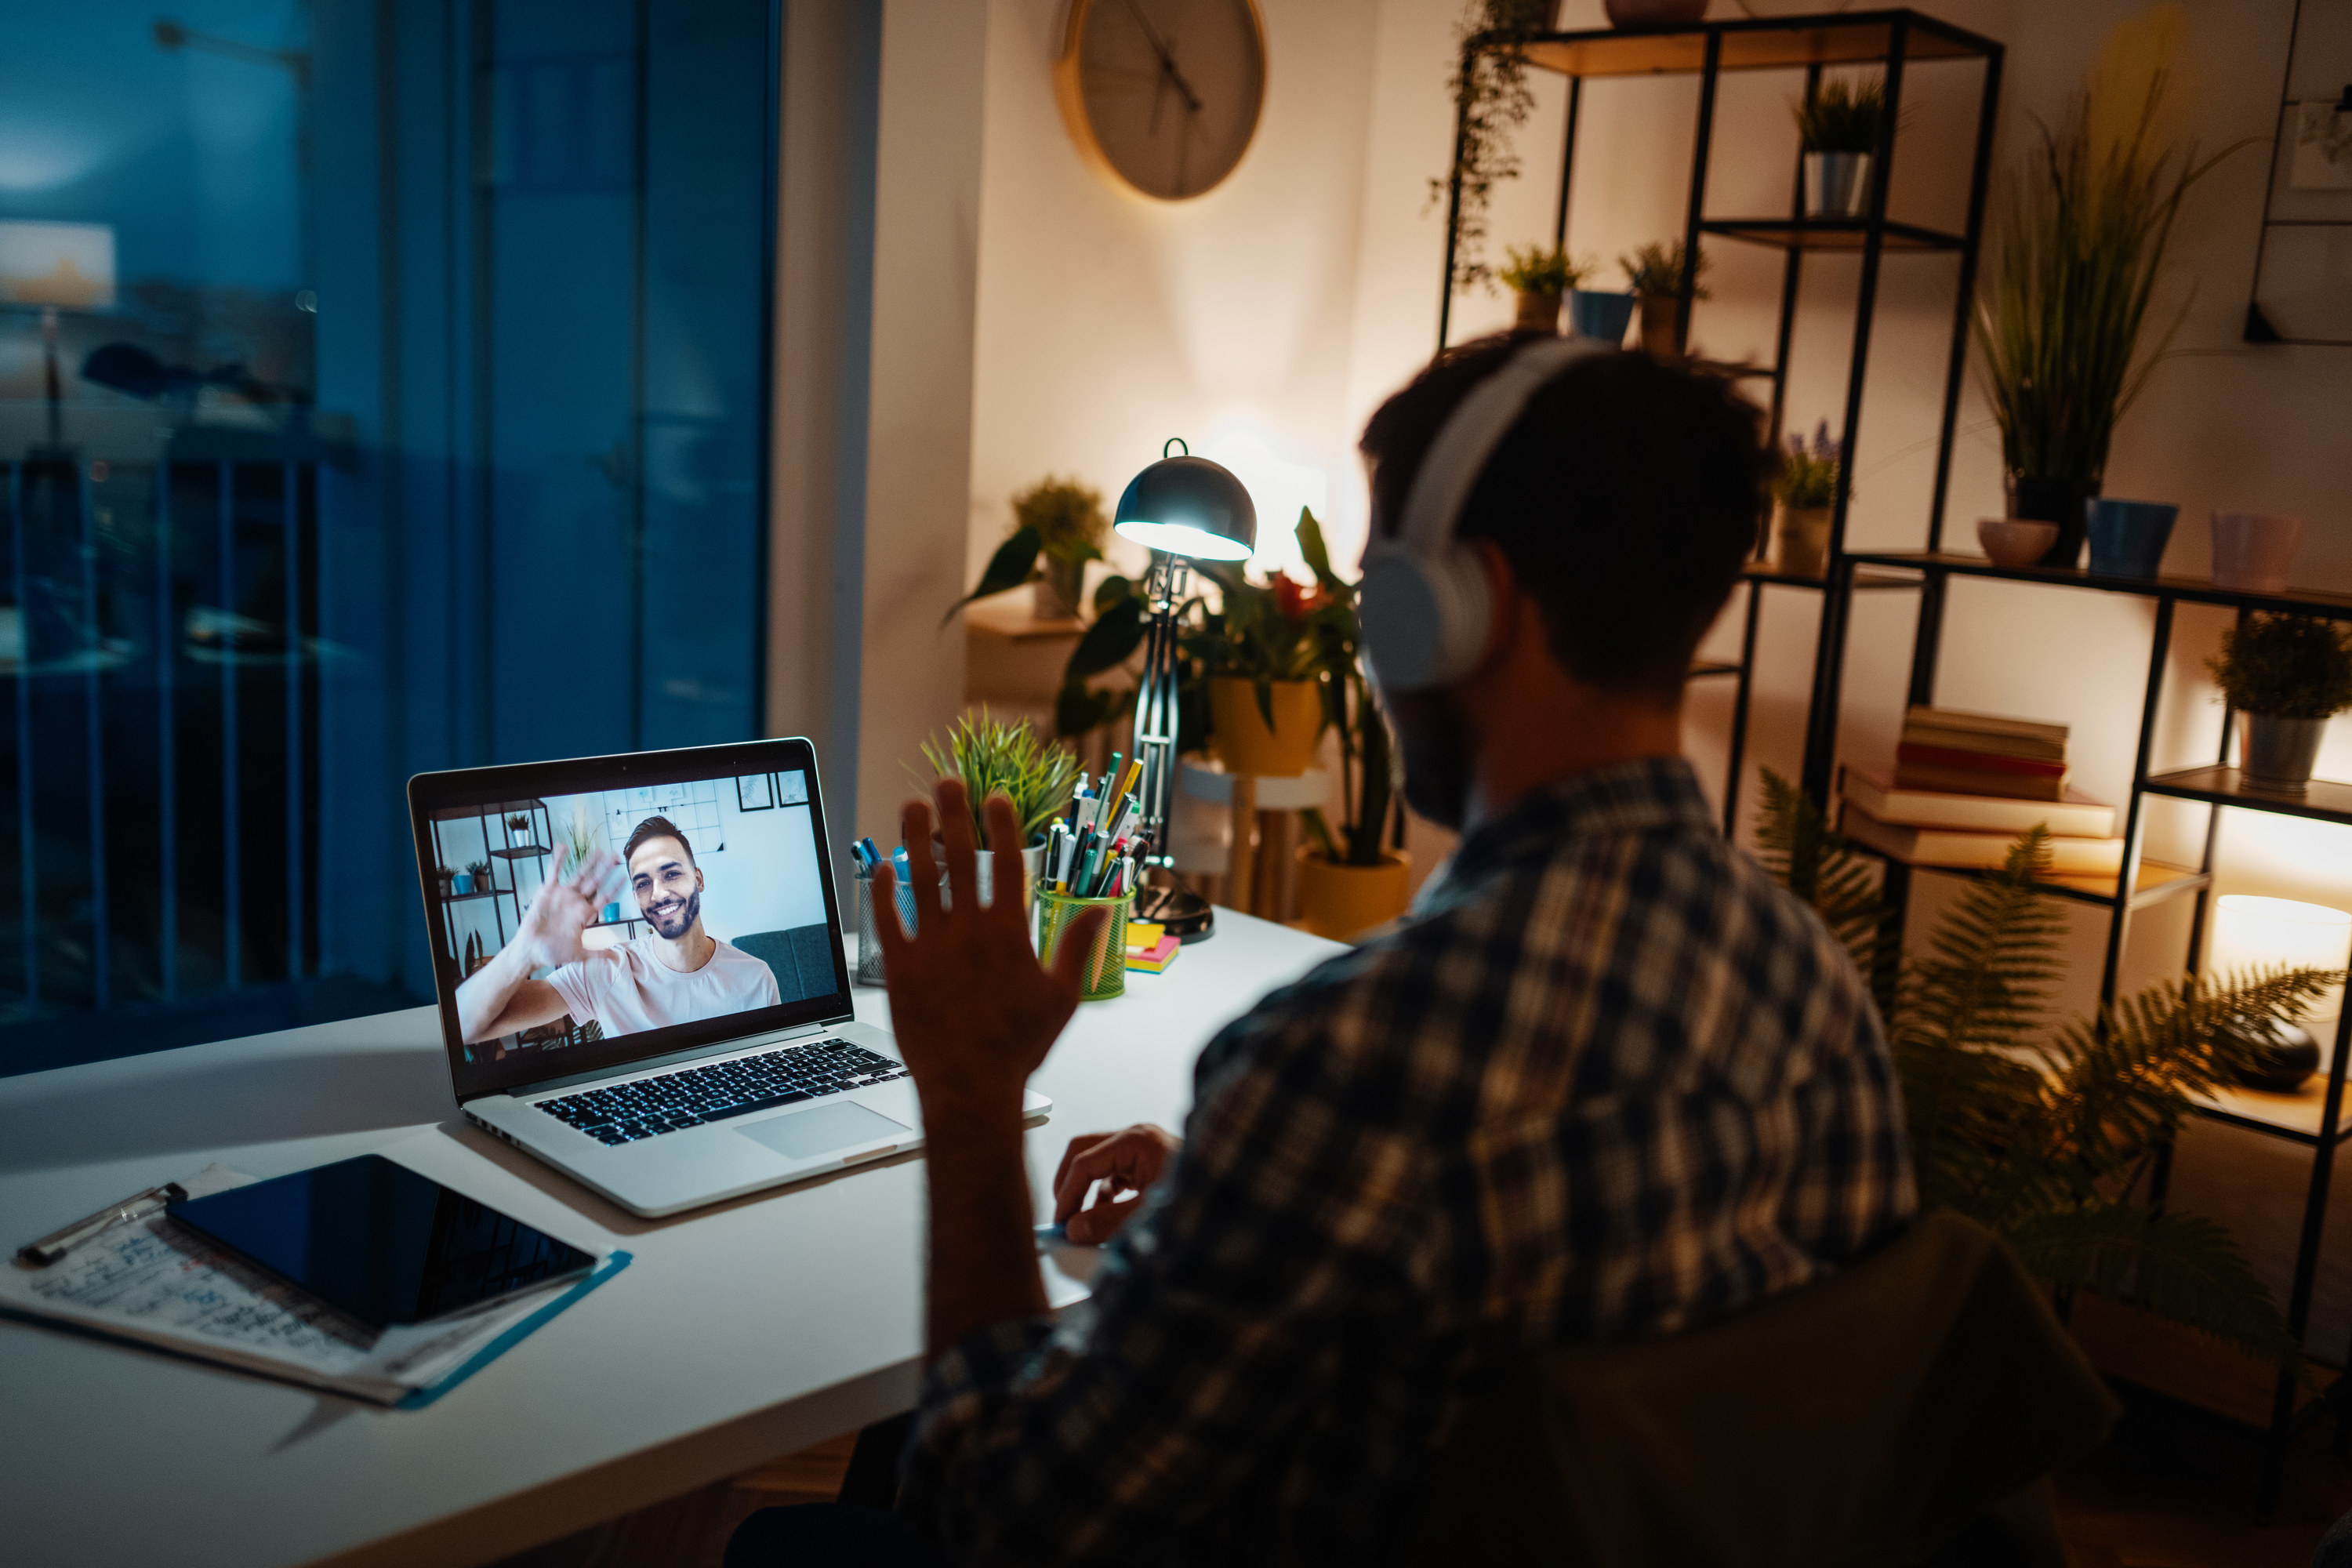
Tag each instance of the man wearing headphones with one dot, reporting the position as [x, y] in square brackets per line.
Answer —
[1609, 1081]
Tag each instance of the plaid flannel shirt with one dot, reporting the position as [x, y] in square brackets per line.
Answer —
[1610, 1081]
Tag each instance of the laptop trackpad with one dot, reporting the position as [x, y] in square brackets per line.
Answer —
[806, 1135]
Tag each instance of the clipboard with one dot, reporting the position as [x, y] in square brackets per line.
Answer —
[132, 1274]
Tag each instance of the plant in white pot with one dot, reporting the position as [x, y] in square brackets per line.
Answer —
[1540, 275]
[1006, 757]
[1804, 496]
[1655, 272]
[2288, 675]
[1838, 128]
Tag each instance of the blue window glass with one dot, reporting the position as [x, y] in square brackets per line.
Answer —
[382, 387]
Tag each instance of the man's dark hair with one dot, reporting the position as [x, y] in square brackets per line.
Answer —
[1625, 497]
[656, 828]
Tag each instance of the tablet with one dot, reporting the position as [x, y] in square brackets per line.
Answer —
[379, 1242]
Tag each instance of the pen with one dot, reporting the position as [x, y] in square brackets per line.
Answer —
[139, 1206]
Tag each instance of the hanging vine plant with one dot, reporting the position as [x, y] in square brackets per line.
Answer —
[1491, 101]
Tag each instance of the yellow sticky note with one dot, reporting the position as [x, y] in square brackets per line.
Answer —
[1144, 935]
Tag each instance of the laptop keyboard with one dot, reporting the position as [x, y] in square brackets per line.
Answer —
[650, 1107]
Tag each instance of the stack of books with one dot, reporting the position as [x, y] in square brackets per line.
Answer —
[1977, 753]
[1964, 785]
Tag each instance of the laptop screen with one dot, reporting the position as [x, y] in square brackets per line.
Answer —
[595, 913]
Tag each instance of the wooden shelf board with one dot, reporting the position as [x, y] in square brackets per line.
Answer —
[1009, 616]
[1702, 669]
[2298, 1116]
[2325, 801]
[1848, 234]
[521, 852]
[1765, 44]
[2156, 883]
[2196, 590]
[1763, 571]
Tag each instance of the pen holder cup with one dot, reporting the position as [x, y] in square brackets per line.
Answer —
[870, 941]
[1105, 975]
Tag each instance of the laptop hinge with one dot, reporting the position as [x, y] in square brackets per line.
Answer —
[616, 1070]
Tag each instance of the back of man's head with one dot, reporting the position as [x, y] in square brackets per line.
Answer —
[1625, 497]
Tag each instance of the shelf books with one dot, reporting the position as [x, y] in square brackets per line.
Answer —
[1874, 790]
[1946, 750]
[1963, 851]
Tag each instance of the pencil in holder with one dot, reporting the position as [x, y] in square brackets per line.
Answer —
[870, 941]
[1105, 975]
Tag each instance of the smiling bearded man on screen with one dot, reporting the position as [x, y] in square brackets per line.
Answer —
[675, 973]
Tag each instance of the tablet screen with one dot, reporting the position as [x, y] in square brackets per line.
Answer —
[380, 1242]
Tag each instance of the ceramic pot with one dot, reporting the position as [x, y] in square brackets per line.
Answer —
[461, 884]
[2252, 550]
[1538, 313]
[1662, 316]
[1801, 540]
[1054, 596]
[2062, 501]
[1238, 733]
[2288, 1058]
[2015, 541]
[1343, 901]
[1600, 315]
[1837, 184]
[1033, 865]
[2127, 537]
[2281, 752]
[1655, 13]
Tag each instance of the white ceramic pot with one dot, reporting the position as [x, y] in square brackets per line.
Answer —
[1801, 540]
[2254, 552]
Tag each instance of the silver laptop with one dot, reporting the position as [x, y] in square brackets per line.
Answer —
[639, 967]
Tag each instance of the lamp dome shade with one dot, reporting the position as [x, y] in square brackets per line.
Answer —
[1189, 506]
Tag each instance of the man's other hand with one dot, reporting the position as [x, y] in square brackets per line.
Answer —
[974, 1011]
[1125, 1163]
[565, 906]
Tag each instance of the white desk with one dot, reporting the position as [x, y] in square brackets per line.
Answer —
[740, 1332]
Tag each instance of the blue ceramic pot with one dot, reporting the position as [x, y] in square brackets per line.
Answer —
[2127, 537]
[461, 884]
[1594, 313]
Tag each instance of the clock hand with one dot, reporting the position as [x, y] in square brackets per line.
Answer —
[1167, 59]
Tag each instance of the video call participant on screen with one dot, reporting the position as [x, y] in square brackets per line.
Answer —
[673, 973]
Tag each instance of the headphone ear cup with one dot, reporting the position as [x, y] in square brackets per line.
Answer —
[1467, 611]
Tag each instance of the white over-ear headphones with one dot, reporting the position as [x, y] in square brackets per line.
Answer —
[1425, 603]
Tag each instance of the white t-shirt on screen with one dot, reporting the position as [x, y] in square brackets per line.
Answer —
[629, 988]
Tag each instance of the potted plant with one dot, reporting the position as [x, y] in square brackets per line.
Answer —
[2287, 674]
[2059, 317]
[1491, 100]
[479, 870]
[2042, 1130]
[1350, 881]
[447, 879]
[1838, 128]
[1538, 274]
[999, 756]
[1263, 667]
[1804, 495]
[1655, 272]
[1058, 527]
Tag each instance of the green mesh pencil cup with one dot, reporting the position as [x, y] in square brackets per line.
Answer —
[1105, 975]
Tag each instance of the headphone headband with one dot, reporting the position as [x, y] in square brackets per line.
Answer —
[1459, 454]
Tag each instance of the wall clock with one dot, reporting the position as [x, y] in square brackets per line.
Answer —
[1163, 95]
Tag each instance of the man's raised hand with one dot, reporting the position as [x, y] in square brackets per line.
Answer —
[974, 1011]
[565, 906]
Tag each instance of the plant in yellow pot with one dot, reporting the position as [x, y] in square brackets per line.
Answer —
[1262, 655]
[1804, 496]
[1349, 881]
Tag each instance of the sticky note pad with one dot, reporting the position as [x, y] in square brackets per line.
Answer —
[1145, 935]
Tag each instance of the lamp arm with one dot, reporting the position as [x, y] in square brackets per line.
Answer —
[1155, 700]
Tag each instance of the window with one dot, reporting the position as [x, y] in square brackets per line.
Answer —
[382, 388]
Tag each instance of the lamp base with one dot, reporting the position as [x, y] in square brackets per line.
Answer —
[1185, 913]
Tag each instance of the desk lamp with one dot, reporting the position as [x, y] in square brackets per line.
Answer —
[1183, 508]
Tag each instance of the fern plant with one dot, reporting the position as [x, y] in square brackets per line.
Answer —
[2041, 1129]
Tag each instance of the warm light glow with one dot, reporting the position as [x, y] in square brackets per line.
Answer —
[1277, 487]
[69, 265]
[2250, 932]
[1183, 539]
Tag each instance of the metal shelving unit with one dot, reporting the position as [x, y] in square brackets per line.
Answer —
[1894, 40]
[2141, 884]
